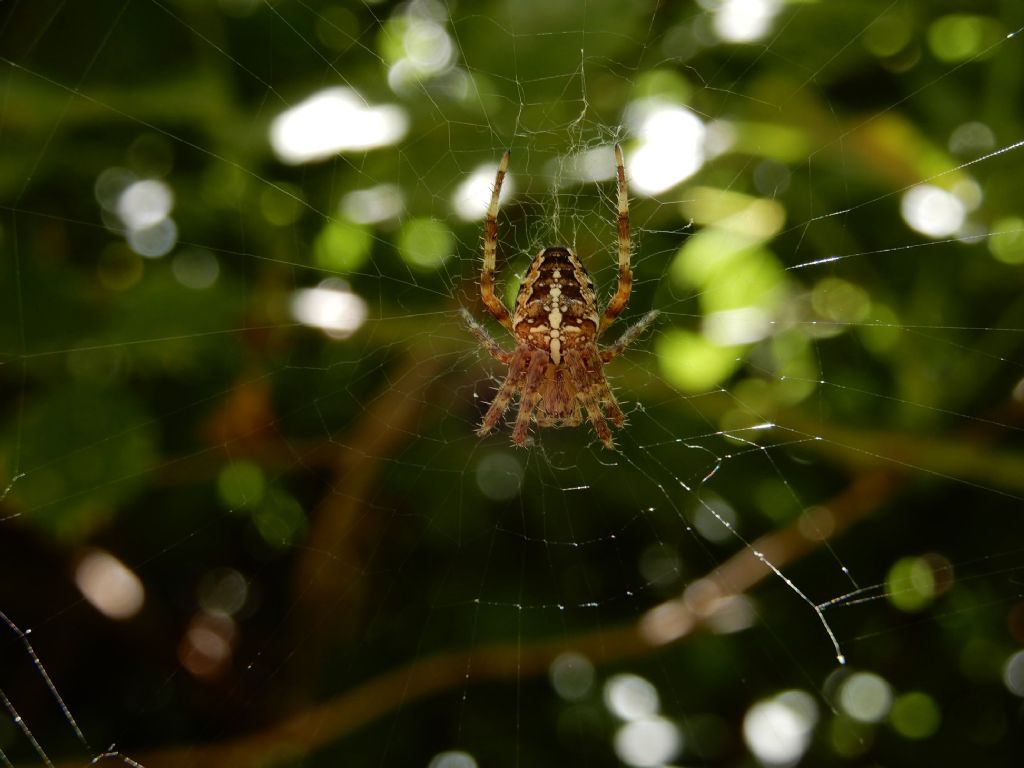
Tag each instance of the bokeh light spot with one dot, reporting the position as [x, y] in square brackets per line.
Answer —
[473, 195]
[452, 759]
[932, 211]
[693, 363]
[1013, 674]
[910, 584]
[241, 484]
[915, 715]
[145, 203]
[778, 730]
[572, 676]
[334, 120]
[631, 697]
[647, 742]
[109, 585]
[342, 246]
[744, 21]
[499, 475]
[373, 205]
[670, 145]
[223, 590]
[155, 241]
[1006, 241]
[331, 306]
[425, 243]
[195, 268]
[865, 696]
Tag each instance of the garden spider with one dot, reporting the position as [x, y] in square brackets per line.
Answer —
[557, 365]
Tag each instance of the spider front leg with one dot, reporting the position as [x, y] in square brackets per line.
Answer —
[610, 353]
[621, 298]
[485, 338]
[503, 396]
[490, 299]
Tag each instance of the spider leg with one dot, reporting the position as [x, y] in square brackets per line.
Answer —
[587, 392]
[621, 297]
[504, 394]
[485, 338]
[531, 394]
[491, 301]
[600, 390]
[627, 338]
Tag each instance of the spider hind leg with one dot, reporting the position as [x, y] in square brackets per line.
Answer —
[531, 394]
[585, 369]
[503, 396]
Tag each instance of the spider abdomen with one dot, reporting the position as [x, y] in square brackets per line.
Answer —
[556, 309]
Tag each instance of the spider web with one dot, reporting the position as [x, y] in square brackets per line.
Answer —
[245, 518]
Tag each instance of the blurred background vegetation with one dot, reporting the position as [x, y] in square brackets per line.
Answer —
[242, 508]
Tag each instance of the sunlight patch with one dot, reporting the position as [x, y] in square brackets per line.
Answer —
[416, 44]
[374, 205]
[142, 207]
[109, 585]
[452, 759]
[670, 147]
[334, 120]
[866, 697]
[778, 731]
[631, 697]
[473, 195]
[692, 362]
[425, 243]
[731, 327]
[744, 21]
[145, 203]
[331, 306]
[1013, 674]
[932, 211]
[650, 742]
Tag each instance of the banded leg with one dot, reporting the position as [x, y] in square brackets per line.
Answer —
[484, 338]
[589, 397]
[610, 353]
[621, 297]
[503, 396]
[491, 301]
[530, 395]
[600, 390]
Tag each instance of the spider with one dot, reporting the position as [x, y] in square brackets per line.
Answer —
[557, 366]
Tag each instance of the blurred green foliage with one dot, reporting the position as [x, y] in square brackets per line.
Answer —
[175, 411]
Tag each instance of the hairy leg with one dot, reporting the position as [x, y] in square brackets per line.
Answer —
[485, 338]
[610, 353]
[530, 395]
[621, 298]
[490, 299]
[504, 394]
[584, 381]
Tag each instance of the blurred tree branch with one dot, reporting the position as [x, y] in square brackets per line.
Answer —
[670, 621]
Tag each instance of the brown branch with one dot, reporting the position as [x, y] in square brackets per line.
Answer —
[328, 578]
[670, 621]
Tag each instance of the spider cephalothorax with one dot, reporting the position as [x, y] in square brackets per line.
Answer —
[557, 367]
